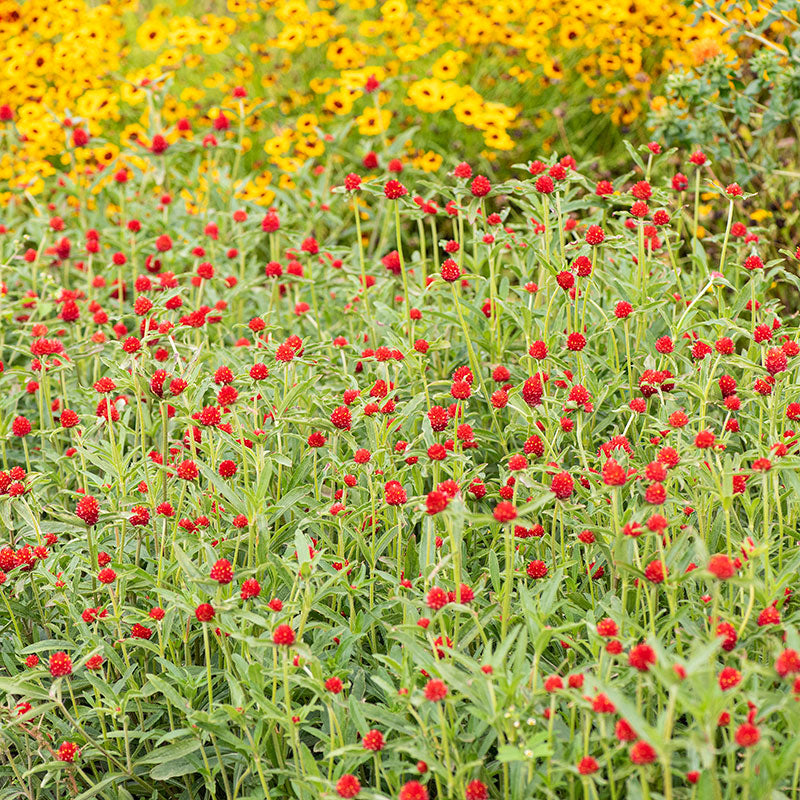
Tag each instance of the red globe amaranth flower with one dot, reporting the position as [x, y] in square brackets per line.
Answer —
[20, 427]
[60, 665]
[88, 509]
[536, 570]
[283, 635]
[352, 183]
[450, 271]
[106, 575]
[373, 740]
[642, 657]
[436, 598]
[562, 485]
[333, 685]
[787, 663]
[413, 790]
[222, 572]
[642, 753]
[721, 567]
[395, 494]
[747, 735]
[728, 678]
[394, 190]
[595, 235]
[476, 790]
[68, 752]
[435, 690]
[204, 612]
[348, 786]
[250, 588]
[588, 766]
[480, 186]
[505, 511]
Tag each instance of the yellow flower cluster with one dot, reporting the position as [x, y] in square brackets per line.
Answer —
[473, 73]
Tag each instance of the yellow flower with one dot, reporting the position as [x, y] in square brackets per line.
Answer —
[151, 35]
[428, 162]
[409, 52]
[321, 85]
[291, 11]
[498, 139]
[469, 111]
[431, 95]
[370, 28]
[291, 38]
[339, 102]
[277, 146]
[307, 123]
[310, 147]
[373, 121]
[447, 66]
[394, 9]
[571, 33]
[344, 54]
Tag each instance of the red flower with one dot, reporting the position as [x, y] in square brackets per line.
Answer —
[728, 678]
[476, 790]
[67, 752]
[20, 427]
[607, 628]
[348, 786]
[204, 612]
[704, 440]
[60, 664]
[480, 186]
[395, 494]
[163, 243]
[413, 790]
[107, 575]
[642, 657]
[656, 572]
[283, 635]
[187, 470]
[222, 572]
[250, 588]
[88, 509]
[613, 473]
[352, 182]
[341, 418]
[588, 766]
[576, 342]
[373, 740]
[537, 570]
[450, 271]
[788, 662]
[562, 485]
[721, 567]
[642, 753]
[595, 235]
[435, 690]
[436, 598]
[394, 190]
[747, 735]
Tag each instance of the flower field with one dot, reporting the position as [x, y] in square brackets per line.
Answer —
[352, 448]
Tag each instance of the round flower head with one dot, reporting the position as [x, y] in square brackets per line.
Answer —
[283, 635]
[394, 190]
